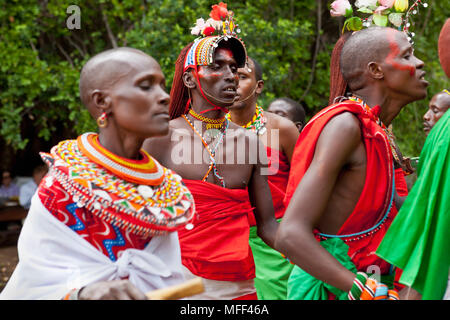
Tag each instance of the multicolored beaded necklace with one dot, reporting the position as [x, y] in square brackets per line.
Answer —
[90, 176]
[145, 171]
[389, 133]
[258, 122]
[212, 152]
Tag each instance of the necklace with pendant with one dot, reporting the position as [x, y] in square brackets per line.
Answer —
[212, 152]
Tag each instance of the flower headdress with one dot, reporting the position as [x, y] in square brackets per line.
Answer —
[220, 26]
[393, 13]
[221, 22]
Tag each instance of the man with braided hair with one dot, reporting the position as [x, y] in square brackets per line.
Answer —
[341, 190]
[221, 164]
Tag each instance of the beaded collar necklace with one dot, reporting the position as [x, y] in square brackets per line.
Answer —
[387, 131]
[210, 123]
[145, 171]
[141, 209]
[212, 152]
[258, 122]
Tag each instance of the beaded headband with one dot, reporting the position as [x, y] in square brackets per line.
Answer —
[446, 91]
[219, 27]
[384, 13]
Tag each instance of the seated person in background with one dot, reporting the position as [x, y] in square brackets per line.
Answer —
[290, 109]
[439, 104]
[28, 189]
[8, 189]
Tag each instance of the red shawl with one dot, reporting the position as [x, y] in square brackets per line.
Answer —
[277, 179]
[374, 211]
[217, 247]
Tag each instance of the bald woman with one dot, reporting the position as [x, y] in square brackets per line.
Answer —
[103, 223]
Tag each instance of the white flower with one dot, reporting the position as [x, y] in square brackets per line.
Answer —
[365, 3]
[216, 24]
[199, 26]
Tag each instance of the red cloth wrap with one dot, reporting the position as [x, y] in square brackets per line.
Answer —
[377, 191]
[277, 180]
[217, 247]
[400, 183]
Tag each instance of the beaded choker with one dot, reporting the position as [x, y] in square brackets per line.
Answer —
[139, 208]
[258, 122]
[210, 123]
[145, 171]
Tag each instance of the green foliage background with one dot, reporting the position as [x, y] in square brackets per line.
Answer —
[41, 58]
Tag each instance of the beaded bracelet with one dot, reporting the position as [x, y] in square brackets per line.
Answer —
[366, 288]
[393, 295]
[369, 289]
[358, 286]
[381, 293]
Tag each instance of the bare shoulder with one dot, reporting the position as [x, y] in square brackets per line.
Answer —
[340, 137]
[279, 122]
[339, 142]
[345, 124]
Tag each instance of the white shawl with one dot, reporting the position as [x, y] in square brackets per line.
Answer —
[53, 259]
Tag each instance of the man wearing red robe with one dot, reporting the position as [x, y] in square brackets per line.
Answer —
[219, 162]
[341, 193]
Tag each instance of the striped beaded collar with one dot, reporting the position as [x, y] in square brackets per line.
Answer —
[116, 190]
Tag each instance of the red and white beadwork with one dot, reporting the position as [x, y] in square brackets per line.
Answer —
[142, 209]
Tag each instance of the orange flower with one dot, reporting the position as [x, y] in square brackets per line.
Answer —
[219, 11]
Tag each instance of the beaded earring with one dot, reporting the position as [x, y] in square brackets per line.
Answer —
[102, 120]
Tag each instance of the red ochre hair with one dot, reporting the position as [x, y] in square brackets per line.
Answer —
[338, 86]
[179, 94]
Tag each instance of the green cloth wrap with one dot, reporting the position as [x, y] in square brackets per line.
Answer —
[272, 270]
[303, 286]
[418, 241]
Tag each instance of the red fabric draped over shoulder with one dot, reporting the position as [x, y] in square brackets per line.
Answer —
[376, 196]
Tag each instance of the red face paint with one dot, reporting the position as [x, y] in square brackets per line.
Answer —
[227, 53]
[213, 75]
[393, 53]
